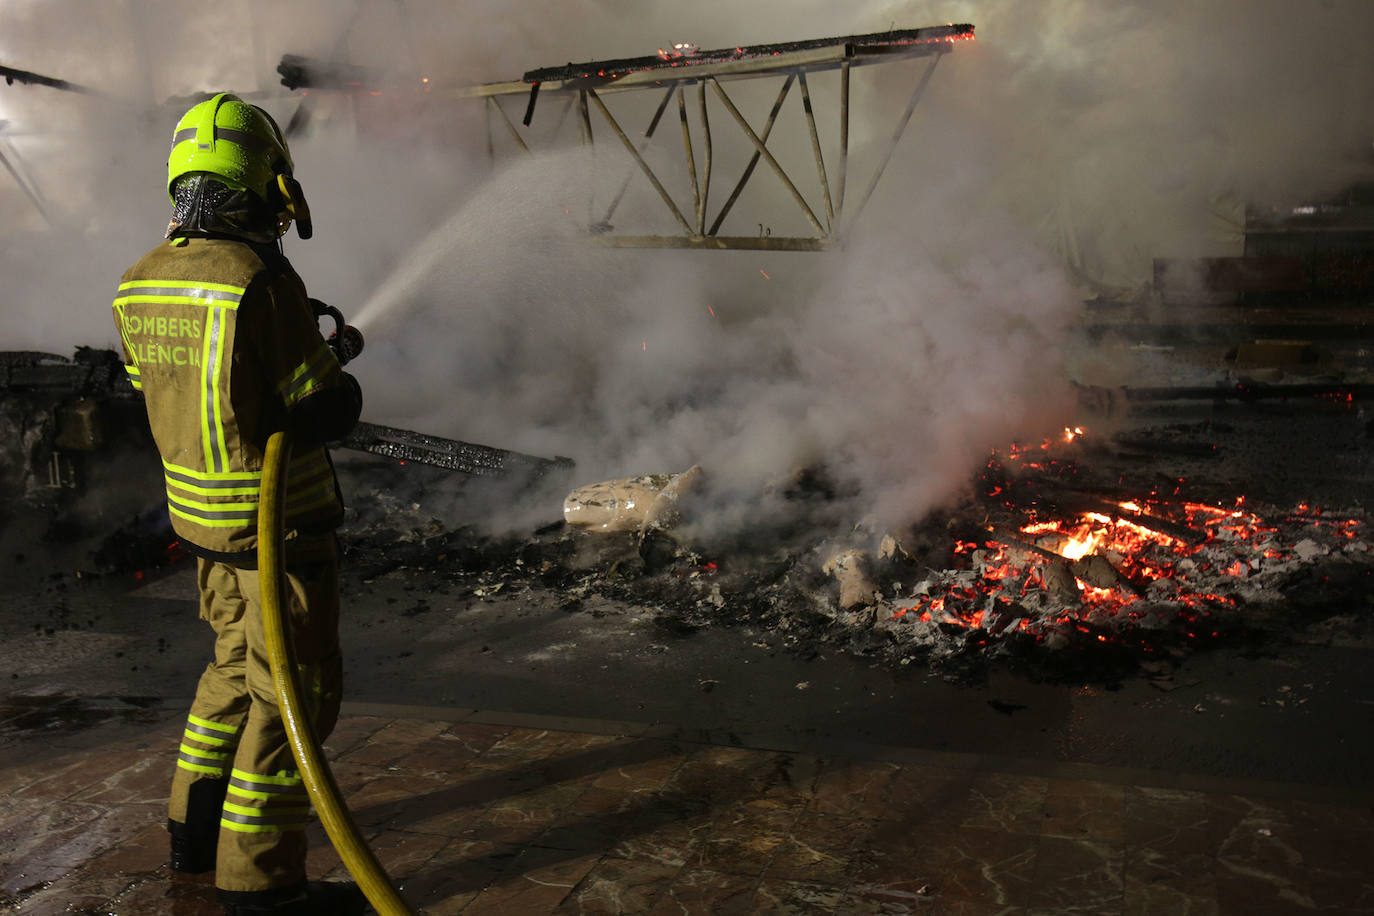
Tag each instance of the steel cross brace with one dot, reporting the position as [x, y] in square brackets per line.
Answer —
[588, 92]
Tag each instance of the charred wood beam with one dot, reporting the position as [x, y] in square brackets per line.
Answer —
[1152, 522]
[1012, 539]
[1078, 502]
[1345, 326]
[1093, 569]
[301, 72]
[13, 75]
[421, 448]
[1251, 391]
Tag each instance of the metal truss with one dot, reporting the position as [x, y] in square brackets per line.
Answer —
[698, 79]
[9, 156]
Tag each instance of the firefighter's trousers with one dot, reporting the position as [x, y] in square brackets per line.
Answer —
[234, 773]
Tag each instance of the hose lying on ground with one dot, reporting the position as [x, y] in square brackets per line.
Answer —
[360, 861]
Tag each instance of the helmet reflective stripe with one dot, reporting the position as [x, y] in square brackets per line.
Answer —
[241, 137]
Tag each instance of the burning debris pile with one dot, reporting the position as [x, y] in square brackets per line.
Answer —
[1042, 567]
[1045, 566]
[1059, 566]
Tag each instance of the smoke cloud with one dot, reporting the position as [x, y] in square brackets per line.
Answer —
[1049, 161]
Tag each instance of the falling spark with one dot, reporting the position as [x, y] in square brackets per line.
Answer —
[765, 274]
[711, 310]
[646, 346]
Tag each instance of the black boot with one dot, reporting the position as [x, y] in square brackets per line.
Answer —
[194, 842]
[318, 898]
[193, 852]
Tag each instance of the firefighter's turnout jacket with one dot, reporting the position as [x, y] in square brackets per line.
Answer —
[223, 344]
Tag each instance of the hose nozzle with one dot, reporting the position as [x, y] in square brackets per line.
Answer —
[345, 340]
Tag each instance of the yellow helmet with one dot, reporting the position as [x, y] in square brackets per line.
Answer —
[242, 147]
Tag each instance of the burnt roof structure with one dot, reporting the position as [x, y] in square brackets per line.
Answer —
[761, 60]
[581, 87]
[675, 70]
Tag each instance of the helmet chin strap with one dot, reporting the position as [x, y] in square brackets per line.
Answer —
[296, 207]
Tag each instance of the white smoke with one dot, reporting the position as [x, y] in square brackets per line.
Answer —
[1050, 159]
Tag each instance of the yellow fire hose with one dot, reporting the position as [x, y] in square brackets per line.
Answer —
[360, 861]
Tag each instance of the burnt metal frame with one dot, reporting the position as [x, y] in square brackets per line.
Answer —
[586, 91]
[9, 156]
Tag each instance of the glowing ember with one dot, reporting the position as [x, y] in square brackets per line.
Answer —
[678, 51]
[1116, 572]
[1081, 542]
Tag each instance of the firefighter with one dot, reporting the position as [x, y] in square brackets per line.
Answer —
[221, 339]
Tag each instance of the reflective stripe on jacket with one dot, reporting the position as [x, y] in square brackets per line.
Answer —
[222, 347]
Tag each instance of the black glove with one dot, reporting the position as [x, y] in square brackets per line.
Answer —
[328, 415]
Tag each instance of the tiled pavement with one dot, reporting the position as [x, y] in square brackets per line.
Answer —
[480, 813]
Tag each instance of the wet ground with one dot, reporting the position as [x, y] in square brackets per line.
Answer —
[519, 744]
[478, 812]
